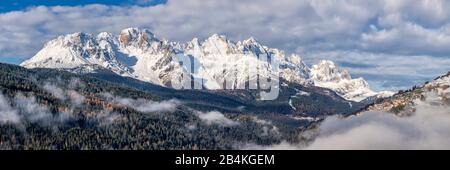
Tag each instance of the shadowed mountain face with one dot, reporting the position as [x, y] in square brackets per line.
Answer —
[52, 109]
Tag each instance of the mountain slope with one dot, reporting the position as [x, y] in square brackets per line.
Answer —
[436, 92]
[138, 54]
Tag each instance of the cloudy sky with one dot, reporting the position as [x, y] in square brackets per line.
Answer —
[392, 44]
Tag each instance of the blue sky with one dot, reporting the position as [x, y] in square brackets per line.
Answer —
[392, 44]
[13, 5]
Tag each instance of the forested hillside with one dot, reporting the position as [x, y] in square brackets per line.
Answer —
[50, 109]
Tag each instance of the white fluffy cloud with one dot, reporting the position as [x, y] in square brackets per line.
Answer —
[400, 27]
[428, 129]
[409, 38]
[387, 26]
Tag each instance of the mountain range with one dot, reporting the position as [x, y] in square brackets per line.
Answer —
[138, 54]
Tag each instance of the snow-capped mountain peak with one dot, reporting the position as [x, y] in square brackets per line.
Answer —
[327, 71]
[139, 54]
[326, 74]
[251, 43]
[105, 36]
[134, 35]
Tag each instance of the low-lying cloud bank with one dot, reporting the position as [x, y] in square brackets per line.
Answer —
[215, 117]
[269, 129]
[25, 108]
[22, 108]
[144, 105]
[428, 128]
[7, 113]
[73, 96]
